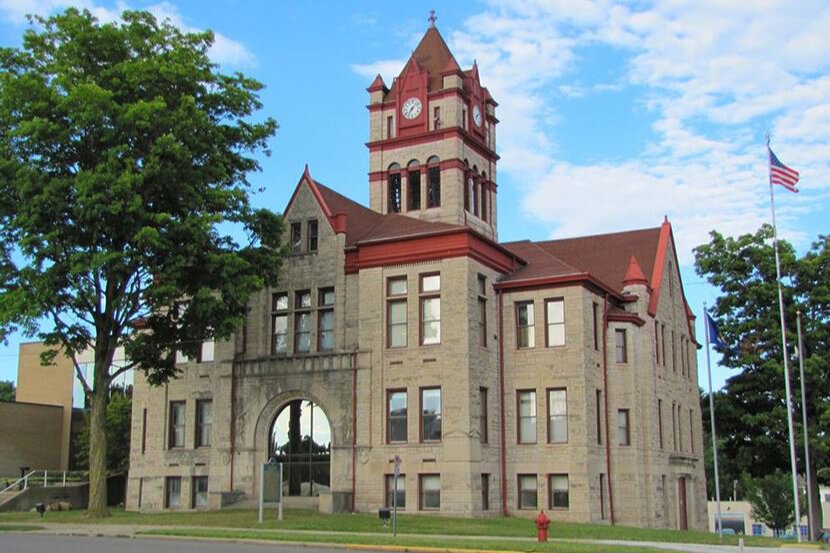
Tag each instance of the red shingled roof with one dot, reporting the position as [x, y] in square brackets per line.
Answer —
[433, 55]
[605, 256]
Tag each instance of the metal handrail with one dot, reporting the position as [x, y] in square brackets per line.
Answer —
[24, 479]
[59, 480]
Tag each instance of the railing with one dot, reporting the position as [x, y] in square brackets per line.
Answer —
[45, 478]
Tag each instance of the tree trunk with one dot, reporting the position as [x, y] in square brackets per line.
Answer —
[98, 453]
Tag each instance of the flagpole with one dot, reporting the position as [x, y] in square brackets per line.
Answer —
[784, 351]
[719, 520]
[811, 522]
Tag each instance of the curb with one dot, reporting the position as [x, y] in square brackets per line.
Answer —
[419, 549]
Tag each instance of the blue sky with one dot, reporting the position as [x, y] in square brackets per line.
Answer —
[612, 114]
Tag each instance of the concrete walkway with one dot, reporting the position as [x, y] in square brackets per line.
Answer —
[133, 530]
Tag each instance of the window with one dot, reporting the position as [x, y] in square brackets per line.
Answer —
[555, 322]
[483, 200]
[325, 319]
[757, 529]
[279, 323]
[557, 416]
[467, 181]
[673, 353]
[660, 421]
[206, 351]
[430, 309]
[623, 428]
[430, 492]
[395, 496]
[474, 188]
[464, 117]
[389, 126]
[302, 321]
[620, 345]
[433, 183]
[143, 430]
[558, 491]
[663, 344]
[430, 414]
[674, 425]
[527, 491]
[204, 422]
[485, 492]
[525, 325]
[482, 415]
[396, 416]
[603, 514]
[596, 326]
[657, 341]
[691, 432]
[599, 417]
[296, 238]
[312, 235]
[396, 312]
[172, 492]
[526, 406]
[199, 489]
[436, 117]
[394, 193]
[176, 430]
[482, 311]
[414, 186]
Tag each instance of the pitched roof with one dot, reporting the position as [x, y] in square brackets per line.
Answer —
[431, 54]
[604, 256]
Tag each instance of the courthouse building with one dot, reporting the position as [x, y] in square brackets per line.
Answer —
[508, 377]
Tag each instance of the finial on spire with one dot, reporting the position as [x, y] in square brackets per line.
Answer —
[432, 18]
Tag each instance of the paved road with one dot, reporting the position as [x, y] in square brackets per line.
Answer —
[42, 543]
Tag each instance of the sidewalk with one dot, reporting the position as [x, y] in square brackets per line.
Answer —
[132, 531]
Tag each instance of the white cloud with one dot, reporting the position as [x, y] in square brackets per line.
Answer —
[224, 50]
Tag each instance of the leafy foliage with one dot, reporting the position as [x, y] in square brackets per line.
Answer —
[7, 390]
[751, 410]
[119, 426]
[771, 497]
[123, 160]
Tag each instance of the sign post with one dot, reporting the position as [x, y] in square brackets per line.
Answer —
[397, 473]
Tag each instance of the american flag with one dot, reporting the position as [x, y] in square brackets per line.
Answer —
[781, 174]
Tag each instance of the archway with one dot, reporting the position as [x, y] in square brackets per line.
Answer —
[300, 438]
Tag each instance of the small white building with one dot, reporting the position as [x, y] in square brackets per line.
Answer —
[737, 515]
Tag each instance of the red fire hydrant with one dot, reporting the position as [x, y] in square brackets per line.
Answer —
[542, 523]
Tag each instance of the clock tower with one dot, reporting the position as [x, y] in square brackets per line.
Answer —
[432, 141]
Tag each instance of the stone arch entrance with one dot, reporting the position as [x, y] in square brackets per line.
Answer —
[300, 439]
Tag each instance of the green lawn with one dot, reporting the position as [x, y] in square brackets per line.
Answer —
[459, 545]
[407, 524]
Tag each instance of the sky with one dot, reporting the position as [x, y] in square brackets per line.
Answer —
[612, 114]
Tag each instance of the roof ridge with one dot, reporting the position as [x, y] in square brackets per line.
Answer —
[602, 234]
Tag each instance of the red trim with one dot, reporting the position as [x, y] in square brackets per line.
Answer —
[306, 177]
[659, 264]
[455, 163]
[431, 136]
[626, 318]
[434, 246]
[540, 283]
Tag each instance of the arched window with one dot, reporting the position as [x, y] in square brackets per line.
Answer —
[474, 187]
[394, 188]
[485, 192]
[433, 182]
[466, 185]
[413, 184]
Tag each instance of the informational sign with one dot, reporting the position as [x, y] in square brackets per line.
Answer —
[270, 487]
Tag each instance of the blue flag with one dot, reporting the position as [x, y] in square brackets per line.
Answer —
[712, 330]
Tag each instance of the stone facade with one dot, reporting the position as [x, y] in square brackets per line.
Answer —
[587, 408]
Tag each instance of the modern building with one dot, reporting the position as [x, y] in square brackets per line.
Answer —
[505, 377]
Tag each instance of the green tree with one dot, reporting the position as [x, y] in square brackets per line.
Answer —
[771, 497]
[751, 411]
[118, 428]
[7, 390]
[123, 160]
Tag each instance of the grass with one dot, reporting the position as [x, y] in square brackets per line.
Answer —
[407, 524]
[19, 527]
[405, 541]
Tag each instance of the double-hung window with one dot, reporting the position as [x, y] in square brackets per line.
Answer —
[312, 235]
[302, 321]
[430, 290]
[557, 416]
[325, 319]
[482, 310]
[555, 322]
[623, 427]
[559, 491]
[204, 422]
[525, 325]
[396, 416]
[430, 492]
[395, 496]
[279, 323]
[528, 494]
[176, 424]
[620, 345]
[396, 311]
[430, 414]
[526, 406]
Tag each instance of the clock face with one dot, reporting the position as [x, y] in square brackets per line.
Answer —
[411, 108]
[477, 116]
